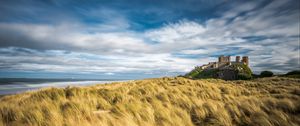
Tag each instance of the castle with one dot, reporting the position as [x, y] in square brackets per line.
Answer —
[225, 61]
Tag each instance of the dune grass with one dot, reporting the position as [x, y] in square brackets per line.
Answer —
[159, 102]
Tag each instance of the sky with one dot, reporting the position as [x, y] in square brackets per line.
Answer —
[122, 39]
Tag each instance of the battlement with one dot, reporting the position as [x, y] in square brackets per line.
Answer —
[224, 61]
[245, 60]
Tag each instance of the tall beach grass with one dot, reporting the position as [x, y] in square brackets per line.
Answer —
[159, 102]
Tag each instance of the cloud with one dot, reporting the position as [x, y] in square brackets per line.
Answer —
[68, 37]
[172, 33]
[110, 45]
[195, 52]
[109, 73]
[60, 61]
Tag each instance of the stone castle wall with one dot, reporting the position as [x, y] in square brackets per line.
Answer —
[224, 61]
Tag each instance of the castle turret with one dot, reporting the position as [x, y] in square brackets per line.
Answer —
[224, 59]
[221, 58]
[245, 60]
[237, 59]
[228, 59]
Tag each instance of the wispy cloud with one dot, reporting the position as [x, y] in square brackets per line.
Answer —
[107, 43]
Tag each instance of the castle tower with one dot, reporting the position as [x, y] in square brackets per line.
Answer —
[221, 58]
[237, 59]
[224, 59]
[228, 59]
[215, 65]
[245, 60]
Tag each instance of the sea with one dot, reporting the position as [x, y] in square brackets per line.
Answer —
[19, 85]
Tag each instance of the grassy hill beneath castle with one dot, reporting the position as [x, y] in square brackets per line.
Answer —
[230, 72]
[159, 102]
